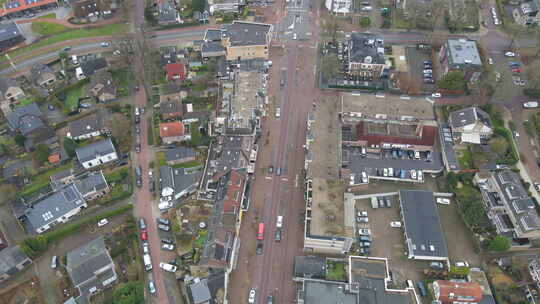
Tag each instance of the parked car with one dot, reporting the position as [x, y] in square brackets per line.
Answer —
[362, 214]
[364, 231]
[163, 221]
[165, 205]
[167, 241]
[365, 238]
[144, 236]
[164, 227]
[270, 169]
[145, 248]
[168, 267]
[364, 244]
[142, 224]
[252, 294]
[428, 71]
[510, 54]
[364, 250]
[277, 235]
[395, 224]
[490, 60]
[105, 44]
[54, 262]
[362, 219]
[462, 264]
[436, 265]
[102, 222]
[151, 287]
[516, 71]
[50, 107]
[436, 95]
[169, 247]
[530, 104]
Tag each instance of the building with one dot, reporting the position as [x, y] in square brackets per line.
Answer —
[102, 87]
[225, 6]
[18, 8]
[93, 66]
[10, 89]
[424, 237]
[26, 119]
[205, 291]
[527, 13]
[461, 55]
[167, 13]
[10, 35]
[476, 275]
[509, 207]
[12, 260]
[90, 268]
[246, 40]
[91, 9]
[96, 153]
[367, 282]
[171, 132]
[92, 185]
[338, 6]
[534, 270]
[312, 267]
[176, 183]
[470, 125]
[447, 292]
[42, 75]
[180, 155]
[56, 208]
[366, 56]
[175, 71]
[212, 49]
[86, 127]
[171, 106]
[62, 178]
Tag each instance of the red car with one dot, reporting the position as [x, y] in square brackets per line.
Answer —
[516, 70]
[144, 236]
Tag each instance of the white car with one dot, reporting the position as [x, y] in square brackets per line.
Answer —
[490, 60]
[102, 222]
[151, 287]
[443, 201]
[462, 264]
[145, 248]
[105, 44]
[413, 174]
[530, 104]
[510, 54]
[362, 214]
[395, 224]
[385, 172]
[516, 134]
[436, 95]
[168, 267]
[364, 231]
[165, 205]
[169, 247]
[279, 222]
[252, 294]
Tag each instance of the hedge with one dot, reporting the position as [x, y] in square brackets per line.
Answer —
[512, 156]
[35, 246]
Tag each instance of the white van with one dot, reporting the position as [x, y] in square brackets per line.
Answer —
[147, 262]
[74, 59]
[279, 222]
[79, 73]
[54, 262]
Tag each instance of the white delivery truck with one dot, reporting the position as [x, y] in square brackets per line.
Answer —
[147, 262]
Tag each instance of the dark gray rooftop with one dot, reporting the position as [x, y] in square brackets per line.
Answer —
[310, 267]
[366, 48]
[11, 257]
[212, 35]
[8, 31]
[468, 116]
[200, 292]
[167, 12]
[91, 182]
[247, 33]
[92, 66]
[447, 147]
[81, 262]
[26, 119]
[37, 70]
[56, 205]
[463, 51]
[6, 83]
[179, 153]
[85, 125]
[178, 179]
[326, 292]
[212, 46]
[422, 224]
[98, 148]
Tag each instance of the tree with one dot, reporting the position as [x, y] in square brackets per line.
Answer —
[365, 22]
[514, 30]
[20, 139]
[330, 66]
[454, 80]
[41, 154]
[500, 244]
[331, 28]
[129, 293]
[70, 145]
[120, 128]
[499, 145]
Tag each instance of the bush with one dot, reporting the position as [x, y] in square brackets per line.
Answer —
[454, 80]
[534, 93]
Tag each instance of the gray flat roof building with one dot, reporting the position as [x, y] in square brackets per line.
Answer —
[462, 52]
[242, 33]
[366, 48]
[423, 231]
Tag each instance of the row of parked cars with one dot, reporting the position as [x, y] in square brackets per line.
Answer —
[364, 234]
[428, 72]
[496, 20]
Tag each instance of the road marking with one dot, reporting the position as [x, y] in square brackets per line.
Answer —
[296, 181]
[268, 177]
[285, 179]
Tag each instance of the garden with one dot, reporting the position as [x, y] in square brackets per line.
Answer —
[336, 270]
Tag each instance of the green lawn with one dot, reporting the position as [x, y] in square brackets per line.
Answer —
[189, 164]
[121, 80]
[48, 16]
[28, 100]
[201, 238]
[42, 180]
[335, 271]
[108, 30]
[72, 97]
[47, 28]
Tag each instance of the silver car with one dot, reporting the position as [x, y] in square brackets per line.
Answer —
[151, 287]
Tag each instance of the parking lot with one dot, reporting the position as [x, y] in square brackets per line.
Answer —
[405, 165]
[415, 59]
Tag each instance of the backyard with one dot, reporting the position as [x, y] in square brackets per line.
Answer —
[42, 180]
[335, 270]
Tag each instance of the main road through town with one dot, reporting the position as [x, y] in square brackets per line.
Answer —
[280, 146]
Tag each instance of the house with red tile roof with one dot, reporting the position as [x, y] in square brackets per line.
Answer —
[16, 8]
[171, 132]
[175, 71]
[447, 292]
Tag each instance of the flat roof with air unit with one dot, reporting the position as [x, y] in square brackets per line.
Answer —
[424, 236]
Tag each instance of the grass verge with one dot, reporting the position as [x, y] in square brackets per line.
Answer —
[48, 28]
